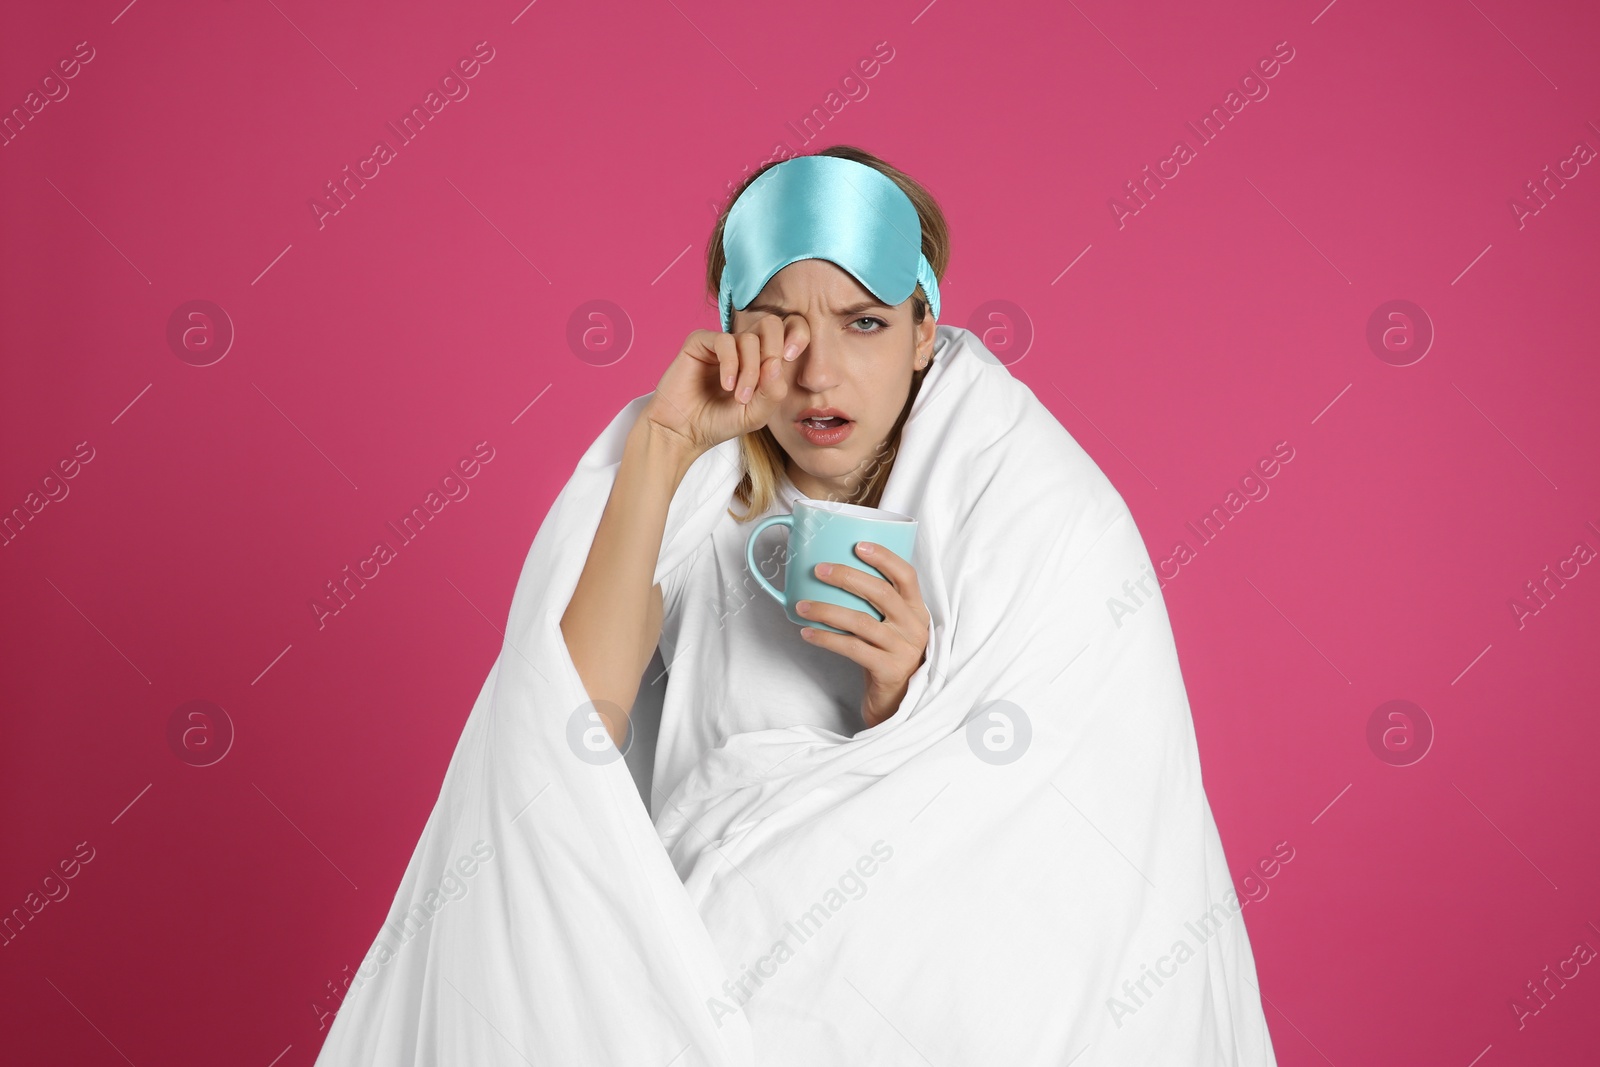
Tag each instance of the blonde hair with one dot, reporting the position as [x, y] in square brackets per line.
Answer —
[763, 457]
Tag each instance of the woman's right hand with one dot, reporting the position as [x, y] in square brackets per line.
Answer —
[722, 385]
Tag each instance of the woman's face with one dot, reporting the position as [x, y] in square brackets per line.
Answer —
[857, 365]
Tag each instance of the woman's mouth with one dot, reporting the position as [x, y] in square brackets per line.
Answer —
[823, 431]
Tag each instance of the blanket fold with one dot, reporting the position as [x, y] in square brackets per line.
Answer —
[1019, 866]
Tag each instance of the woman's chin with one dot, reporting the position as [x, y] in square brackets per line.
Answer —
[831, 465]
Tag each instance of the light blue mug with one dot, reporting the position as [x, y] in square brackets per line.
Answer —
[826, 531]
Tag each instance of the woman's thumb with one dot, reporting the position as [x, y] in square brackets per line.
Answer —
[772, 376]
[770, 388]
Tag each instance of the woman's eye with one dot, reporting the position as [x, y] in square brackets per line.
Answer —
[878, 324]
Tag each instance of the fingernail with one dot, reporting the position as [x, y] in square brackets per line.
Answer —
[744, 395]
[824, 569]
[803, 607]
[791, 351]
[727, 383]
[806, 631]
[866, 549]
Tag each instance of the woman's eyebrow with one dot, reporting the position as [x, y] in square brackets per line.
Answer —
[853, 309]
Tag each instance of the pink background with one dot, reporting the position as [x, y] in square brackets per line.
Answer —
[372, 353]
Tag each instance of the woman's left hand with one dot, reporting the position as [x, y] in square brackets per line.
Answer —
[889, 650]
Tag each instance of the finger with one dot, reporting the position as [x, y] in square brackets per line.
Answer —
[727, 350]
[796, 336]
[848, 619]
[897, 569]
[876, 633]
[899, 619]
[869, 587]
[749, 366]
[772, 388]
[873, 660]
[770, 329]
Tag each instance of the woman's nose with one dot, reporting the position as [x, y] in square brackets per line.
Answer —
[818, 370]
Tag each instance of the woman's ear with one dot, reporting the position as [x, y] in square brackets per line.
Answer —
[925, 338]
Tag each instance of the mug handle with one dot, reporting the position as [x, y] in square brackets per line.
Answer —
[750, 554]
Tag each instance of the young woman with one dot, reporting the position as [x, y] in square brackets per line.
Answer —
[972, 832]
[816, 377]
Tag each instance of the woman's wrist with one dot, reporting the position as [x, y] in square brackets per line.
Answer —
[665, 448]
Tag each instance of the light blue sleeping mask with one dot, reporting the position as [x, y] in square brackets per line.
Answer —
[824, 207]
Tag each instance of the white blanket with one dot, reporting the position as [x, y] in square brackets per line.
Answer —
[1019, 867]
